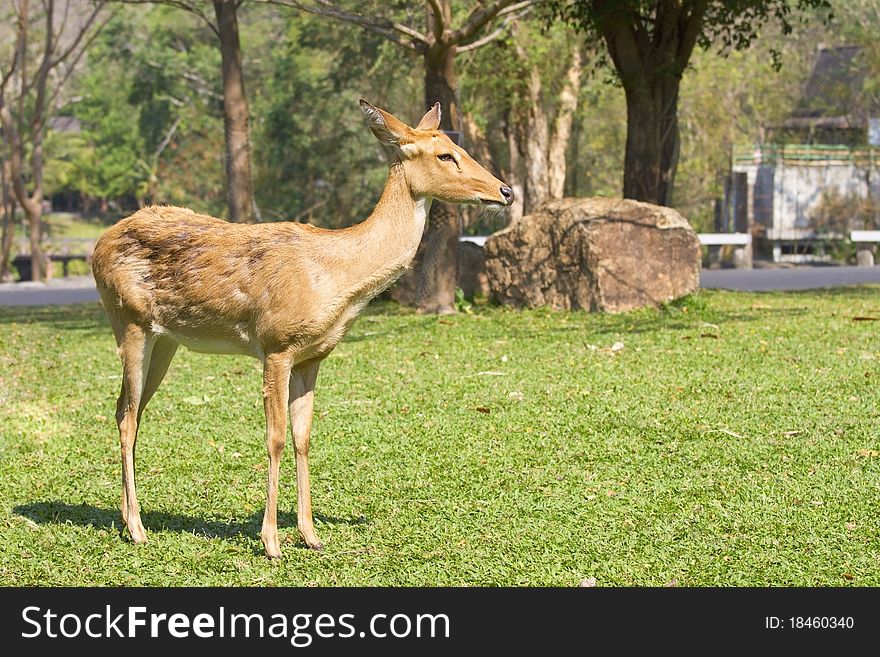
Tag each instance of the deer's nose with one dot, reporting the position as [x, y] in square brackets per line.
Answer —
[507, 193]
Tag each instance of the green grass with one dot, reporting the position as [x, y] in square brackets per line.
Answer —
[65, 224]
[60, 225]
[734, 440]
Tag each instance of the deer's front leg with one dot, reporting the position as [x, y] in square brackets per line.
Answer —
[276, 374]
[302, 398]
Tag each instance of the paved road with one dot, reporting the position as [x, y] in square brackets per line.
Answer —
[795, 278]
[76, 289]
[81, 289]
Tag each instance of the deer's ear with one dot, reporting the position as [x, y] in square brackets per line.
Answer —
[431, 120]
[386, 128]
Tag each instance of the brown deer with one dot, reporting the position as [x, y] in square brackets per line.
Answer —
[284, 293]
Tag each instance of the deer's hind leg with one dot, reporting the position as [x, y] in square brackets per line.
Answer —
[163, 352]
[136, 350]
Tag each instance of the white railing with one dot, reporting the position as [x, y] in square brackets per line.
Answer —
[720, 239]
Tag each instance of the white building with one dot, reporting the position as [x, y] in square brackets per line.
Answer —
[817, 177]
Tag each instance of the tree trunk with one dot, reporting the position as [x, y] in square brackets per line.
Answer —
[641, 169]
[435, 269]
[239, 186]
[8, 224]
[670, 141]
[537, 136]
[33, 204]
[652, 140]
[545, 145]
[478, 148]
[34, 209]
[478, 144]
[39, 265]
[650, 65]
[513, 175]
[568, 102]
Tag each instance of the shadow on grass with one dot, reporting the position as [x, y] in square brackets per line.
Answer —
[85, 515]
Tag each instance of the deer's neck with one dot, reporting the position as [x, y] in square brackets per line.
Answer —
[379, 249]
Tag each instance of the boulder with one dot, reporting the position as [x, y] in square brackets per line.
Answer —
[597, 254]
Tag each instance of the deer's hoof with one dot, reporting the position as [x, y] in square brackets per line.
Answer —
[272, 549]
[137, 533]
[311, 540]
[138, 537]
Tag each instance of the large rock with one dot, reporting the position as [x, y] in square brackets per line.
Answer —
[596, 254]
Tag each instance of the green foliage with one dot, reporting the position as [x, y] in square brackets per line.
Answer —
[315, 160]
[727, 24]
[731, 442]
[462, 305]
[855, 23]
[600, 139]
[153, 127]
[494, 87]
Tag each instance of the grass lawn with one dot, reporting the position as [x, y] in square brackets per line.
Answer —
[67, 225]
[733, 440]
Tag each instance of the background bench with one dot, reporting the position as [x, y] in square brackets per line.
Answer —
[865, 241]
[742, 254]
[64, 250]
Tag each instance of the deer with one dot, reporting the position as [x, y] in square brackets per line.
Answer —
[284, 293]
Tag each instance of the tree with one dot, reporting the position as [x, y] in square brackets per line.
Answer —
[529, 87]
[313, 162]
[650, 43]
[240, 201]
[546, 141]
[150, 131]
[28, 95]
[8, 233]
[236, 116]
[441, 36]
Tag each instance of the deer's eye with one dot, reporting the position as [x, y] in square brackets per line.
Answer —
[446, 157]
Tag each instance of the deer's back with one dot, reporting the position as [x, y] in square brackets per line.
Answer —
[211, 284]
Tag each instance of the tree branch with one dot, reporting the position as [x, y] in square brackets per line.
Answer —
[8, 75]
[16, 158]
[693, 25]
[60, 33]
[394, 32]
[624, 46]
[191, 7]
[167, 139]
[44, 68]
[501, 29]
[482, 15]
[437, 24]
[85, 46]
[82, 32]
